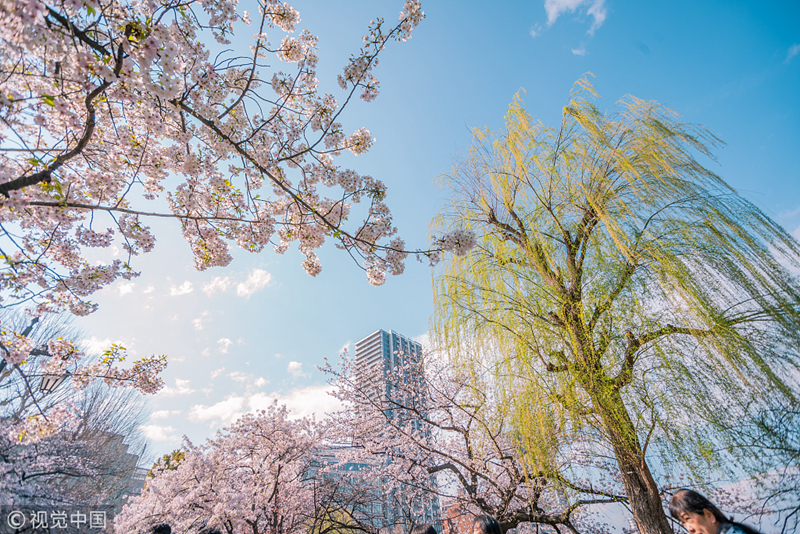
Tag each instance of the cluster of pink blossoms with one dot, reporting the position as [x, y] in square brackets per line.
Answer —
[106, 102]
[251, 477]
[111, 109]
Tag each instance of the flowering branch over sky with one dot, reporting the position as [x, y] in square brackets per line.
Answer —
[112, 112]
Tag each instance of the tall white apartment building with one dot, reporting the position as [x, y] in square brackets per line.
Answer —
[381, 353]
[376, 357]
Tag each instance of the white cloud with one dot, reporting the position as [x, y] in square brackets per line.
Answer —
[183, 289]
[206, 352]
[424, 340]
[164, 414]
[158, 433]
[215, 373]
[261, 381]
[257, 279]
[181, 388]
[95, 345]
[302, 402]
[226, 411]
[224, 344]
[218, 284]
[198, 323]
[239, 376]
[125, 288]
[296, 368]
[596, 9]
[793, 51]
[149, 289]
[579, 51]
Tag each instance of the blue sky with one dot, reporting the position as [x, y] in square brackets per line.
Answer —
[256, 330]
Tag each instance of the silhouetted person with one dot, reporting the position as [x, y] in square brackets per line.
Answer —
[486, 524]
[700, 516]
[424, 528]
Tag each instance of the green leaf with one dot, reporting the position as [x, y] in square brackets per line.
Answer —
[49, 100]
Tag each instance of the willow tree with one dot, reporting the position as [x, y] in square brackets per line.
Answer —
[625, 281]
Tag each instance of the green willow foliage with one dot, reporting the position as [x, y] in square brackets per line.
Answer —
[619, 288]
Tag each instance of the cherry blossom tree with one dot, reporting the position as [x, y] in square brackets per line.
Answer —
[113, 112]
[440, 432]
[88, 460]
[248, 478]
[41, 351]
[108, 104]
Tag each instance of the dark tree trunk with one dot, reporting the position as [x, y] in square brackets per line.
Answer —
[640, 486]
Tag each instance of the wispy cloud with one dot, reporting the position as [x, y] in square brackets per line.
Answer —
[158, 433]
[95, 345]
[226, 411]
[224, 344]
[181, 388]
[218, 284]
[295, 368]
[182, 289]
[239, 376]
[164, 414]
[256, 280]
[593, 8]
[125, 288]
[581, 51]
[198, 323]
[424, 340]
[215, 373]
[793, 51]
[301, 402]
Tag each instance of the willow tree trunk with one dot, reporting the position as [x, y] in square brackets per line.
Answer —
[640, 486]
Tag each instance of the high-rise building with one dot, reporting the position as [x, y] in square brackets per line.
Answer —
[378, 357]
[381, 352]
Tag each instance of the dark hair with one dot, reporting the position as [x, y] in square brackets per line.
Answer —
[424, 528]
[163, 528]
[487, 524]
[686, 501]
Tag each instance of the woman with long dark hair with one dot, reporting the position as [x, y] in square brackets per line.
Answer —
[424, 528]
[486, 524]
[700, 516]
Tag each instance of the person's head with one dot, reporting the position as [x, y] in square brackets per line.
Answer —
[424, 528]
[163, 528]
[486, 524]
[698, 514]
